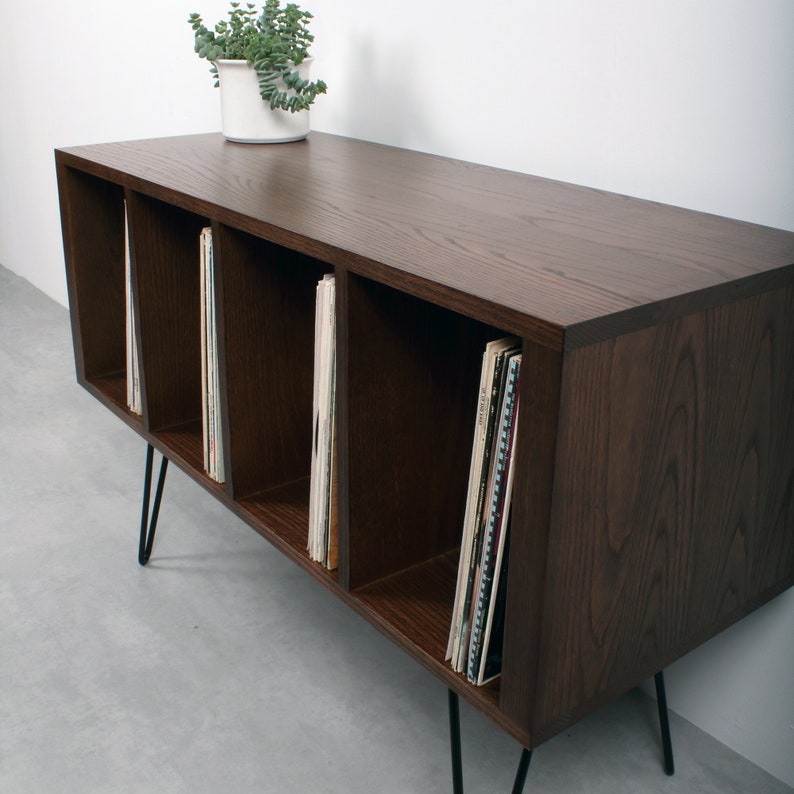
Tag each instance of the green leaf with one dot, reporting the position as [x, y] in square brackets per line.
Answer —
[269, 41]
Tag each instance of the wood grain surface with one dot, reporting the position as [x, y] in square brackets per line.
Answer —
[672, 508]
[412, 379]
[531, 255]
[92, 212]
[164, 245]
[266, 359]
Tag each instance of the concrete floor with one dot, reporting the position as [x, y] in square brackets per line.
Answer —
[222, 667]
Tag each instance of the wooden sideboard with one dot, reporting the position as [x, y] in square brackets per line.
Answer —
[653, 500]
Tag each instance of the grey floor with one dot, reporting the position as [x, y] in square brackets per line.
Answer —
[222, 667]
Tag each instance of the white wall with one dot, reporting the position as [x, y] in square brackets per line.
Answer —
[86, 72]
[739, 687]
[685, 103]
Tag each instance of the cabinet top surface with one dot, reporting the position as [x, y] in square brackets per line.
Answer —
[576, 260]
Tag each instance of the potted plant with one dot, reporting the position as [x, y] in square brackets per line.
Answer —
[261, 62]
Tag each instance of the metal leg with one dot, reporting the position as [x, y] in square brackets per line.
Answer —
[521, 772]
[149, 524]
[526, 755]
[454, 739]
[457, 762]
[664, 723]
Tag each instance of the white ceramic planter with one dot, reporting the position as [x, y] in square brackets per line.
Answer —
[246, 117]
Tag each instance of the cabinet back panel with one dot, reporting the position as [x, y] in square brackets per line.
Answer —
[164, 241]
[266, 304]
[412, 381]
[93, 229]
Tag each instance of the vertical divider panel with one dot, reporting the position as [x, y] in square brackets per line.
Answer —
[265, 298]
[92, 210]
[541, 373]
[164, 244]
[412, 381]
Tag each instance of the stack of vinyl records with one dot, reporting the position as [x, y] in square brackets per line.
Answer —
[323, 521]
[210, 378]
[475, 637]
[133, 377]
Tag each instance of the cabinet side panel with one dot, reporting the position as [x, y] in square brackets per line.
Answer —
[532, 492]
[92, 215]
[673, 506]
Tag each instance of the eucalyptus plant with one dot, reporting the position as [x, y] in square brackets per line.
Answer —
[274, 42]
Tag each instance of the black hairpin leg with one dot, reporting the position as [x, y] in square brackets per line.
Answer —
[149, 524]
[457, 762]
[664, 723]
[521, 772]
[454, 739]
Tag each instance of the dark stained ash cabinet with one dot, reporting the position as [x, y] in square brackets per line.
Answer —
[654, 491]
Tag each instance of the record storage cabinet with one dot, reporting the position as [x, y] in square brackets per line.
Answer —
[653, 500]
